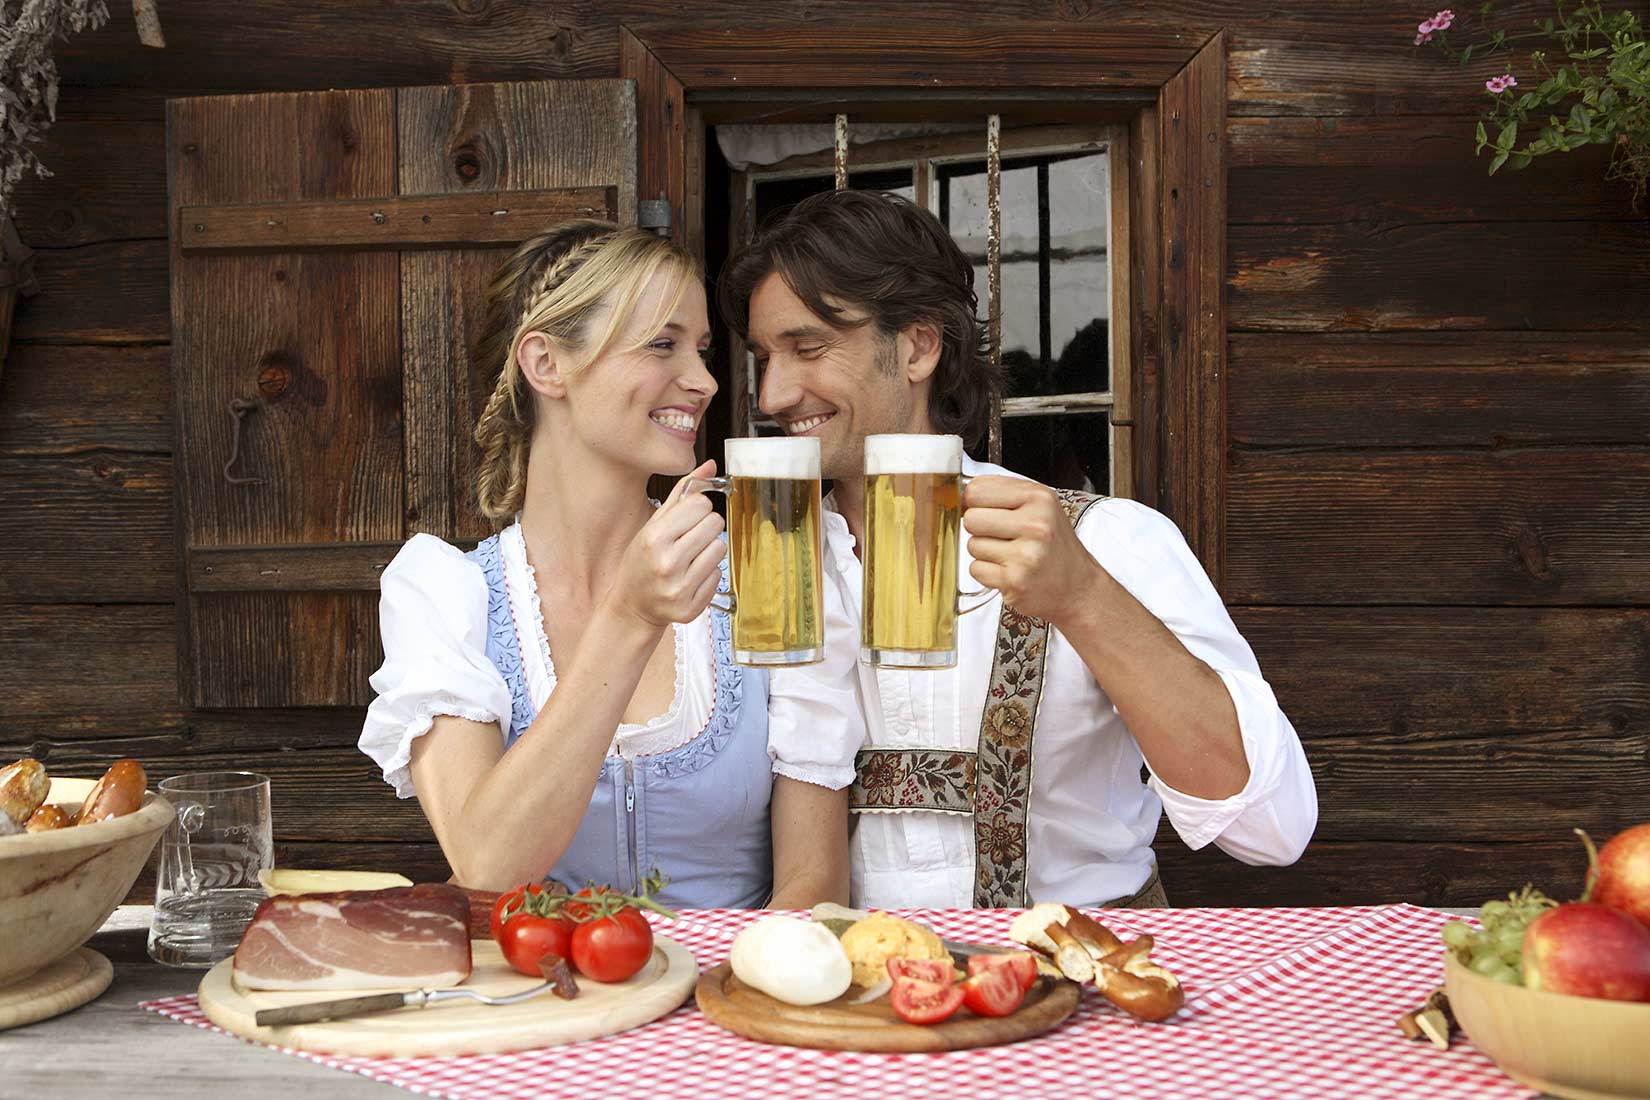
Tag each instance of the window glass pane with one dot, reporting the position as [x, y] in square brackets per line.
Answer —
[772, 195]
[962, 207]
[1055, 211]
[1080, 293]
[1067, 451]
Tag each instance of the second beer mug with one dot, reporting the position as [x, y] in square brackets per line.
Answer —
[773, 550]
[913, 518]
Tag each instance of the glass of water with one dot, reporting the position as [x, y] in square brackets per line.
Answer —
[206, 887]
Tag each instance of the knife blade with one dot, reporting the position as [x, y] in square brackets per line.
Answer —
[313, 1012]
[958, 949]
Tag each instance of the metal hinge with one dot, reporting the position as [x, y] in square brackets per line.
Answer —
[654, 215]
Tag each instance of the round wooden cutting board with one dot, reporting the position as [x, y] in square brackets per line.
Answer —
[465, 1026]
[76, 978]
[838, 1025]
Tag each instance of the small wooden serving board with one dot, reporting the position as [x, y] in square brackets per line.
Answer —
[838, 1025]
[464, 1026]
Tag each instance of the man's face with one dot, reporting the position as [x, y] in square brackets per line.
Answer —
[837, 384]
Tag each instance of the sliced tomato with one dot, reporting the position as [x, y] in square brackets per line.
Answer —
[611, 949]
[526, 939]
[995, 991]
[1022, 964]
[918, 1002]
[924, 970]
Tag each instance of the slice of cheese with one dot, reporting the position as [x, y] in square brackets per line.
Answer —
[280, 881]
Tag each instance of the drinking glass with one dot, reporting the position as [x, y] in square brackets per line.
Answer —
[206, 887]
[913, 519]
[774, 550]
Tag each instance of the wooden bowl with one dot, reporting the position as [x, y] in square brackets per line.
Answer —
[58, 887]
[1577, 1047]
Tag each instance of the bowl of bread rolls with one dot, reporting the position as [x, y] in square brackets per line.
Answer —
[70, 850]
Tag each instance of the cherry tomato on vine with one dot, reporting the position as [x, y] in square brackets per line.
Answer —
[611, 949]
[527, 938]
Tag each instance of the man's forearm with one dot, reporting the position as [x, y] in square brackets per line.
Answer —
[1176, 706]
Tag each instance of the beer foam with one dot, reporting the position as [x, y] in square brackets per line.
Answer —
[913, 454]
[774, 456]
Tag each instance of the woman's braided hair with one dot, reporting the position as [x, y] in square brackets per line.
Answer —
[557, 284]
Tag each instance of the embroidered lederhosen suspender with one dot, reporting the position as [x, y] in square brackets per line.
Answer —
[994, 782]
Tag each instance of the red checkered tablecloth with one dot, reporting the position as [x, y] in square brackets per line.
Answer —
[1281, 1003]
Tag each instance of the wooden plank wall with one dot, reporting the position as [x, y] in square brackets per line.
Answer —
[1439, 432]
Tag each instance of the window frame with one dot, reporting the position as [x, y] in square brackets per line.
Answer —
[924, 156]
[1166, 84]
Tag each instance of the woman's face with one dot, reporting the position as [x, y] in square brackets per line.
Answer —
[642, 408]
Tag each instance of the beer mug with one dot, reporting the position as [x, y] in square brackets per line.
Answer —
[913, 519]
[774, 550]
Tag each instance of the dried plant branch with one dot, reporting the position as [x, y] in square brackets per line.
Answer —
[28, 79]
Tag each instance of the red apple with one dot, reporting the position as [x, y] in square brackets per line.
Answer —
[1588, 950]
[1623, 876]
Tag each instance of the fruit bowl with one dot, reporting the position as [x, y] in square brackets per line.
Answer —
[1577, 1047]
[58, 887]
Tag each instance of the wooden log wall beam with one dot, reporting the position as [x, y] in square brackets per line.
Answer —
[412, 221]
[335, 567]
[1540, 527]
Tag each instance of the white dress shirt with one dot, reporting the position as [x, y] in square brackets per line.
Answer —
[1092, 817]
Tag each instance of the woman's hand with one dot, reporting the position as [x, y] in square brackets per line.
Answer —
[672, 567]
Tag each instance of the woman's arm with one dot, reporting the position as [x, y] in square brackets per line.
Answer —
[504, 818]
[810, 844]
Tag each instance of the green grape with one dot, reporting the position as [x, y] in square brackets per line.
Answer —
[1507, 975]
[1458, 934]
[1510, 939]
[1494, 911]
[1491, 966]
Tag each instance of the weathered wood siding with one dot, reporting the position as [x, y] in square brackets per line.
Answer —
[1438, 421]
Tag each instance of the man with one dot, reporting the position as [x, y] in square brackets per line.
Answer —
[860, 311]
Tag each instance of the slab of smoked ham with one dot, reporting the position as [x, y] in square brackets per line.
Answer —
[401, 938]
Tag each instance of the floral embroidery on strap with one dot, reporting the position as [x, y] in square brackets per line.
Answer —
[503, 642]
[938, 780]
[1002, 797]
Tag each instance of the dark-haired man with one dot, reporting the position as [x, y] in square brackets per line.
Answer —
[861, 313]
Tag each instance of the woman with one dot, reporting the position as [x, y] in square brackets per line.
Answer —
[561, 699]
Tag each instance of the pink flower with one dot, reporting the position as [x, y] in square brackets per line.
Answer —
[1440, 22]
[1498, 84]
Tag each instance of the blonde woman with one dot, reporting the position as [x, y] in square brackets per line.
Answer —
[561, 699]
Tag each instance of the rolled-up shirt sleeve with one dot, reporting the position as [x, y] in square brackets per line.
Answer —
[1271, 819]
[432, 613]
[816, 724]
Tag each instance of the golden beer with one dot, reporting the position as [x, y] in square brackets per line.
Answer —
[773, 543]
[913, 515]
[774, 550]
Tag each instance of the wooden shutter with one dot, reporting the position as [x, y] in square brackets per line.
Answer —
[329, 251]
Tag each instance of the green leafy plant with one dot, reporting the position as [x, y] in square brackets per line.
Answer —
[1590, 71]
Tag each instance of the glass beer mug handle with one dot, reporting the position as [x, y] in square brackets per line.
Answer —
[985, 595]
[190, 817]
[722, 601]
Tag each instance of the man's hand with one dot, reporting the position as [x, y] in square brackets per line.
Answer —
[1024, 546]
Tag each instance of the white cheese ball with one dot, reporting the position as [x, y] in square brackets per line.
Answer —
[795, 961]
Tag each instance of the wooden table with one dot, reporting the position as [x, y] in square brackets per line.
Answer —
[112, 1048]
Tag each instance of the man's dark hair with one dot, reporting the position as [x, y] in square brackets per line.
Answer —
[890, 259]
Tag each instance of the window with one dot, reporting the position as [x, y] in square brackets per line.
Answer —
[1058, 420]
